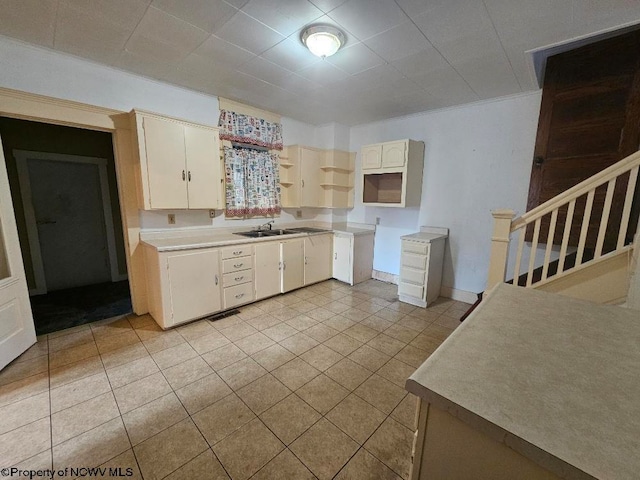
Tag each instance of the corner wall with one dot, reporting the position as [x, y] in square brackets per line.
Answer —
[477, 159]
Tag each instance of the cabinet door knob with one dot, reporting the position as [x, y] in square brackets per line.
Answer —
[335, 256]
[183, 175]
[216, 279]
[302, 183]
[189, 173]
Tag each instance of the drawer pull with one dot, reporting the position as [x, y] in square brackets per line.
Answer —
[239, 252]
[237, 279]
[240, 295]
[237, 265]
[216, 279]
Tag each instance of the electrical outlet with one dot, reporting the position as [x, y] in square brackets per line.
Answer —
[171, 218]
[298, 213]
[377, 220]
[212, 214]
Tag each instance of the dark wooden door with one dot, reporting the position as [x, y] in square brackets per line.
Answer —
[589, 120]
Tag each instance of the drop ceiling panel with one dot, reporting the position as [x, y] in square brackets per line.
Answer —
[366, 18]
[489, 75]
[596, 14]
[290, 54]
[246, 32]
[356, 58]
[421, 63]
[215, 49]
[126, 13]
[32, 21]
[208, 15]
[398, 42]
[284, 16]
[299, 85]
[327, 5]
[323, 73]
[264, 69]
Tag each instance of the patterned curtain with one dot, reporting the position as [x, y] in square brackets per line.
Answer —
[252, 182]
[252, 130]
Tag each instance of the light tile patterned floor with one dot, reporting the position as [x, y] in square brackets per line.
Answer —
[301, 386]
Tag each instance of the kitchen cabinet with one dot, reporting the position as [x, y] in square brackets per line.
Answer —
[317, 252]
[353, 256]
[183, 285]
[311, 177]
[179, 163]
[292, 258]
[267, 269]
[421, 261]
[392, 173]
[237, 271]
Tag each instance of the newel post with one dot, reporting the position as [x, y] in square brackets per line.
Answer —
[499, 247]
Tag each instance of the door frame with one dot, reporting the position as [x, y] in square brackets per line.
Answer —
[40, 108]
[22, 157]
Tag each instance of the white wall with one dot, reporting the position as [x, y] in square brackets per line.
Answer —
[45, 72]
[477, 159]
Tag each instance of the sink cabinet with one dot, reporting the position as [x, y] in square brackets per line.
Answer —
[292, 258]
[179, 163]
[268, 268]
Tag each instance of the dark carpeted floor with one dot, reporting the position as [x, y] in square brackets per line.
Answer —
[74, 306]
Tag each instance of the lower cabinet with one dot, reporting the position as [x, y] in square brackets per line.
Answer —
[267, 269]
[317, 252]
[421, 263]
[237, 276]
[183, 285]
[352, 257]
[292, 258]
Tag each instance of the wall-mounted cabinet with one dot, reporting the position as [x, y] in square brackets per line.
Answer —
[392, 173]
[179, 163]
[311, 177]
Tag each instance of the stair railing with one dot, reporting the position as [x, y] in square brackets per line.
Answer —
[505, 226]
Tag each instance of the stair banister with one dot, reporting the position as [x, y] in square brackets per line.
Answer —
[499, 246]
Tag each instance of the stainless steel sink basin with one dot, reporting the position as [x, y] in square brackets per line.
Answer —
[265, 233]
[279, 232]
[252, 234]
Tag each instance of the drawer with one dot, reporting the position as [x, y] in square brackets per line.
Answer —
[238, 295]
[412, 275]
[410, 290]
[412, 260]
[237, 264]
[236, 278]
[237, 251]
[415, 247]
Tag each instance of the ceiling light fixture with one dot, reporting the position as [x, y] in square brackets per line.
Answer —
[323, 40]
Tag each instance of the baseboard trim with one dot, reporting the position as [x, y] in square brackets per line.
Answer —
[460, 295]
[385, 277]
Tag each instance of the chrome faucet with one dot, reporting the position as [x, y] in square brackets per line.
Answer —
[266, 226]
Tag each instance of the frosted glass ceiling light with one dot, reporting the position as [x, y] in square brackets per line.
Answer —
[323, 40]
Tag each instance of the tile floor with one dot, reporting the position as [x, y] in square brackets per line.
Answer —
[301, 386]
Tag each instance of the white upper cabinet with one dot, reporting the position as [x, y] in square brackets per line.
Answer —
[371, 156]
[394, 154]
[180, 163]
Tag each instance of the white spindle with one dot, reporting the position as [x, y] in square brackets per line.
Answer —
[626, 210]
[565, 236]
[547, 252]
[585, 226]
[516, 269]
[604, 220]
[532, 254]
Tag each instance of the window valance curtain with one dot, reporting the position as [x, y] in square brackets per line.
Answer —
[237, 127]
[252, 182]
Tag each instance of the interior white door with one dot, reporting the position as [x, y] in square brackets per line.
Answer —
[68, 209]
[17, 331]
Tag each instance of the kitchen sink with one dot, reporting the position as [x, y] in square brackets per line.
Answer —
[266, 233]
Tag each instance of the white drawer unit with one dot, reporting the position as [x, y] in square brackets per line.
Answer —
[421, 263]
[237, 251]
[238, 295]
[236, 264]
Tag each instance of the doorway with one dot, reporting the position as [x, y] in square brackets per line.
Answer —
[64, 192]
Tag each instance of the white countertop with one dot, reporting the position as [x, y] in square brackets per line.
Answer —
[554, 378]
[424, 237]
[206, 238]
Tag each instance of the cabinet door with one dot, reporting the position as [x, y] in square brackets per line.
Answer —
[371, 156]
[342, 258]
[267, 269]
[317, 258]
[311, 191]
[203, 167]
[291, 254]
[194, 284]
[394, 154]
[166, 165]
